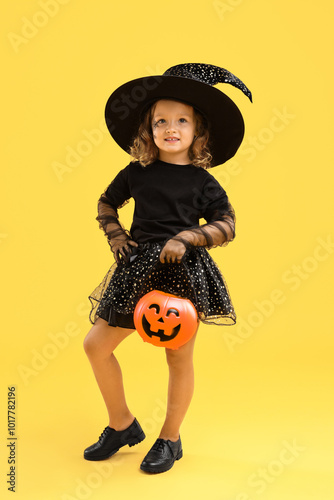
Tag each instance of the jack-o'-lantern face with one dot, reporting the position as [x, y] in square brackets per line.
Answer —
[165, 325]
[165, 320]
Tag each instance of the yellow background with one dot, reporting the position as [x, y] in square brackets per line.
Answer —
[263, 385]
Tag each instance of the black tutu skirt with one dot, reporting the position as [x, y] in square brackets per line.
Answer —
[196, 278]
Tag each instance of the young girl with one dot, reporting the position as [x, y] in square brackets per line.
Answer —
[175, 126]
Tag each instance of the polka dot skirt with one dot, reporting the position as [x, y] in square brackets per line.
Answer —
[196, 278]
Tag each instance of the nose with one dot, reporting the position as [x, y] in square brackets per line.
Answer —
[170, 127]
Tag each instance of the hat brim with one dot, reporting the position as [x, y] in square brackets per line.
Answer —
[126, 105]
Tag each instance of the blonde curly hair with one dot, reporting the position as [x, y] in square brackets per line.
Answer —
[144, 150]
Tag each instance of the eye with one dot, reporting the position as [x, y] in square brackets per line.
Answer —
[156, 307]
[183, 120]
[159, 122]
[174, 311]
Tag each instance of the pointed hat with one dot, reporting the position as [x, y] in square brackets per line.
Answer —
[191, 83]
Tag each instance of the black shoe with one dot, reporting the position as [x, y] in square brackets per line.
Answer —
[111, 441]
[162, 456]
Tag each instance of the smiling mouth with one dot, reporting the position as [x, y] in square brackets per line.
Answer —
[172, 139]
[160, 333]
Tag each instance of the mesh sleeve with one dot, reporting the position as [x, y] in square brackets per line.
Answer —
[217, 233]
[110, 223]
[115, 196]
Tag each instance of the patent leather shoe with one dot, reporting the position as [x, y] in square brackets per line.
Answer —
[162, 456]
[111, 441]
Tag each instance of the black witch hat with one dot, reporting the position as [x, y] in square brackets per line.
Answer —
[192, 84]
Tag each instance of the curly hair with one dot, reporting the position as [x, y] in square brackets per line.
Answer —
[144, 150]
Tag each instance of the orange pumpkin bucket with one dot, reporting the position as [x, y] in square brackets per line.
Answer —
[165, 320]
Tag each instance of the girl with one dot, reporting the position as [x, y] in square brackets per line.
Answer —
[175, 126]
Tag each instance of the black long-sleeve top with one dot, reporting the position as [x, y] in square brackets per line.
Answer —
[169, 198]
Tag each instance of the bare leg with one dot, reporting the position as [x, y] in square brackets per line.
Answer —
[99, 345]
[180, 388]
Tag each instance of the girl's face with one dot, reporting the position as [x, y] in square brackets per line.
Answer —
[174, 127]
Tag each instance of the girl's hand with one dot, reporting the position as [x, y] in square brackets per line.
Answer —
[172, 252]
[122, 250]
